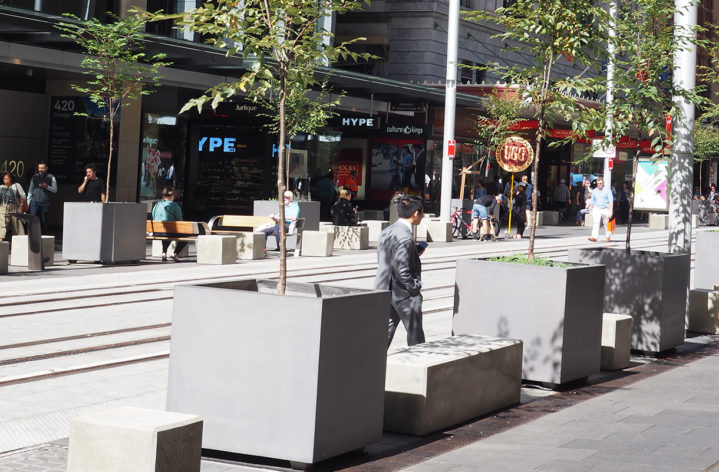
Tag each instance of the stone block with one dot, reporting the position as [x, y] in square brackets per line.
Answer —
[19, 253]
[704, 311]
[375, 228]
[695, 221]
[439, 231]
[250, 246]
[431, 386]
[658, 221]
[157, 249]
[420, 230]
[589, 220]
[4, 256]
[131, 439]
[349, 237]
[317, 243]
[365, 215]
[217, 249]
[616, 341]
[549, 217]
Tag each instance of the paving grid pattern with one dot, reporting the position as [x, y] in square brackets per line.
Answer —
[626, 441]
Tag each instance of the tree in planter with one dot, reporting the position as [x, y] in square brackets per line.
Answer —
[501, 111]
[283, 43]
[547, 30]
[118, 68]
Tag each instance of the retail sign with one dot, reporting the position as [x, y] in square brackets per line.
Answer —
[215, 143]
[406, 130]
[408, 106]
[353, 122]
[515, 155]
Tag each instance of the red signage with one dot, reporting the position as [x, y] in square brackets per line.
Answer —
[515, 154]
[610, 164]
[451, 146]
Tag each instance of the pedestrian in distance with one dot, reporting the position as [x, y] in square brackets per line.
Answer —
[168, 210]
[519, 209]
[344, 213]
[12, 199]
[92, 188]
[562, 198]
[602, 210]
[399, 270]
[43, 187]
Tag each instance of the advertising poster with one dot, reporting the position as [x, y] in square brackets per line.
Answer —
[651, 185]
[393, 164]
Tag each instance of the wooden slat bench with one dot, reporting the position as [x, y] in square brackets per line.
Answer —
[176, 230]
[228, 224]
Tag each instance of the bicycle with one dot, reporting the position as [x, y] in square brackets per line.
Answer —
[460, 229]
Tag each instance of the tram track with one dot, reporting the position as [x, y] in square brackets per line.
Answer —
[162, 292]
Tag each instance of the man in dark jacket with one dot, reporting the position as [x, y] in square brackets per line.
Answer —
[343, 212]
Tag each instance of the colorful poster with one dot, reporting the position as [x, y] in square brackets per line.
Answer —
[651, 185]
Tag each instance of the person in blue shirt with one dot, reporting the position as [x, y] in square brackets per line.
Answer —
[292, 212]
[602, 210]
[168, 210]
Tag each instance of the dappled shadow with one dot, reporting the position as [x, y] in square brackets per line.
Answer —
[649, 286]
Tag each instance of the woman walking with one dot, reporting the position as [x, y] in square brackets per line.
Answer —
[12, 200]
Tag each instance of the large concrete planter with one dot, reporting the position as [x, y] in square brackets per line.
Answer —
[706, 260]
[105, 232]
[309, 210]
[651, 287]
[555, 311]
[298, 377]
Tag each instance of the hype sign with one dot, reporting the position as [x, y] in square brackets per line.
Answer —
[227, 144]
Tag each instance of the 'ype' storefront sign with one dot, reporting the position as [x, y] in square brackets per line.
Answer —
[213, 144]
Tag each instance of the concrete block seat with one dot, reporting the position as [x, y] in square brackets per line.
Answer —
[704, 311]
[250, 246]
[317, 243]
[19, 253]
[439, 231]
[349, 237]
[217, 249]
[616, 341]
[435, 385]
[131, 439]
[658, 221]
[157, 249]
[4, 257]
[375, 228]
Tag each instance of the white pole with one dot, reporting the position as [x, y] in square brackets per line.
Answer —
[449, 110]
[610, 87]
[681, 169]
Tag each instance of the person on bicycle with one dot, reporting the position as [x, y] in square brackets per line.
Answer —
[481, 209]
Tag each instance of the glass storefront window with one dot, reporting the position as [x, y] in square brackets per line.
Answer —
[84, 9]
[162, 159]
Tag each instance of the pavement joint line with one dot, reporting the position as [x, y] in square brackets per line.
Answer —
[43, 374]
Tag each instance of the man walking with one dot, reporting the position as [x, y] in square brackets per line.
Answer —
[602, 209]
[42, 186]
[562, 198]
[399, 270]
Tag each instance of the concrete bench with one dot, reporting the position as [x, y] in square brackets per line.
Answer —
[365, 215]
[19, 253]
[432, 386]
[549, 217]
[658, 221]
[317, 243]
[135, 440]
[157, 249]
[217, 249]
[375, 228]
[616, 341]
[250, 246]
[439, 231]
[4, 257]
[420, 231]
[704, 311]
[348, 237]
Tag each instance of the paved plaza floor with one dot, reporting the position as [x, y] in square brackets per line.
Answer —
[658, 415]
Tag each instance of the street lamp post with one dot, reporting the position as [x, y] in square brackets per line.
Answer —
[449, 110]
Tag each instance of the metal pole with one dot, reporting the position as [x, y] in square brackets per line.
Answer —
[681, 167]
[449, 110]
[610, 87]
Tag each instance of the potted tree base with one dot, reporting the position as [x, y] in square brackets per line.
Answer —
[104, 232]
[297, 377]
[649, 286]
[556, 312]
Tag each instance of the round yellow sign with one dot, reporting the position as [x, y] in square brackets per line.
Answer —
[515, 155]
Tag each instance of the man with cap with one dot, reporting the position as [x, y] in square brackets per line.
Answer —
[562, 197]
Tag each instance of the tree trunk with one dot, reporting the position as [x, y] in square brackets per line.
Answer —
[628, 245]
[282, 282]
[109, 157]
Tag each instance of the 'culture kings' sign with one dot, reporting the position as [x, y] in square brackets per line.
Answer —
[515, 154]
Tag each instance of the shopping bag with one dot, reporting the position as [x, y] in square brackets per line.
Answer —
[611, 224]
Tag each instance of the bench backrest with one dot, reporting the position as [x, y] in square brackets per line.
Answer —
[176, 228]
[238, 221]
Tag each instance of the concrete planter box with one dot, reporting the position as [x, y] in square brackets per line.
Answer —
[555, 311]
[298, 377]
[105, 232]
[309, 210]
[649, 286]
[706, 260]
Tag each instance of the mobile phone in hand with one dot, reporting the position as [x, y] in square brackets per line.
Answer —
[421, 246]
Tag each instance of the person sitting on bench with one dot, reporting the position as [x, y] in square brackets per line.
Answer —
[292, 212]
[168, 210]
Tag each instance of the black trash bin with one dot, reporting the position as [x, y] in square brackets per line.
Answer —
[35, 259]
